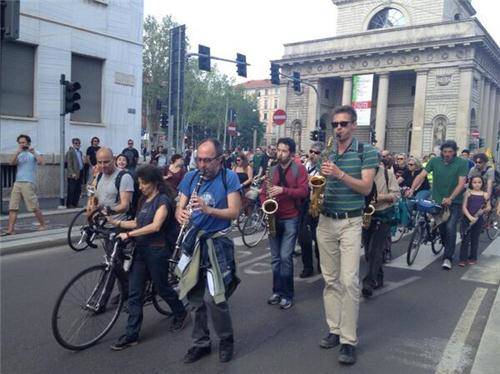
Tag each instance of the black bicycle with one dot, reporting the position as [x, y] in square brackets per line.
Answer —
[89, 305]
[426, 231]
[82, 231]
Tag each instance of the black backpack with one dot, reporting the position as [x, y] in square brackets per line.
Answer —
[132, 210]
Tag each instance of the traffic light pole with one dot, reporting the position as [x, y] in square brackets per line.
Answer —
[62, 128]
[318, 99]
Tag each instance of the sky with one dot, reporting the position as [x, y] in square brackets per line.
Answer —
[259, 28]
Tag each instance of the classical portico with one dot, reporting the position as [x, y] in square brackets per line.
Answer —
[434, 79]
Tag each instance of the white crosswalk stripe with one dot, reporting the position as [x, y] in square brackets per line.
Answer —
[487, 269]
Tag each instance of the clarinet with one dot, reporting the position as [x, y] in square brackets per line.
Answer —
[187, 223]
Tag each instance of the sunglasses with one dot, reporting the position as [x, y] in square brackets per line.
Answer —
[400, 159]
[411, 164]
[479, 162]
[341, 123]
[238, 159]
[315, 152]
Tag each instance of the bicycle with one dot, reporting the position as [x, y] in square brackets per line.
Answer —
[490, 225]
[426, 231]
[94, 297]
[81, 234]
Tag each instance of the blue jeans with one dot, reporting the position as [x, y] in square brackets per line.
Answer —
[449, 231]
[152, 261]
[282, 248]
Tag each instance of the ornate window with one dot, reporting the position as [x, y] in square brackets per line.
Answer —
[386, 18]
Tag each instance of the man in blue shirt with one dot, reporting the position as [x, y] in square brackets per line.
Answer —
[26, 159]
[217, 202]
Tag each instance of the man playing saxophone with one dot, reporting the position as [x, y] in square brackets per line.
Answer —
[289, 189]
[349, 171]
[212, 264]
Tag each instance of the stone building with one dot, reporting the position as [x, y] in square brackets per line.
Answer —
[436, 74]
[267, 97]
[95, 42]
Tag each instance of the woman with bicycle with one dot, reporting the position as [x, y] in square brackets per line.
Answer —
[476, 203]
[154, 213]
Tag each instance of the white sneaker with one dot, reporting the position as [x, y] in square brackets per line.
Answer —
[446, 265]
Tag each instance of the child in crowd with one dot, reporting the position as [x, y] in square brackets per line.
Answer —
[476, 203]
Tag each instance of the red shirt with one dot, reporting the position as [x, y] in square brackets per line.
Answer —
[293, 195]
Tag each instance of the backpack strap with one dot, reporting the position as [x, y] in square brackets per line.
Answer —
[118, 182]
[99, 176]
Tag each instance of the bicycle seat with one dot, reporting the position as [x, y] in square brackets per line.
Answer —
[428, 206]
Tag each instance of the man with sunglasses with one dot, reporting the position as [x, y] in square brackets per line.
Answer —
[350, 171]
[308, 223]
[483, 170]
[268, 158]
[75, 164]
[215, 205]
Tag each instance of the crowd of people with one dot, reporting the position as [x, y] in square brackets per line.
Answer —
[207, 186]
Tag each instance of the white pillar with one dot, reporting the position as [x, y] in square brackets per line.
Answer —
[464, 107]
[419, 113]
[492, 137]
[485, 110]
[381, 118]
[347, 91]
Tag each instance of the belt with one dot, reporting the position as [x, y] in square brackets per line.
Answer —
[343, 215]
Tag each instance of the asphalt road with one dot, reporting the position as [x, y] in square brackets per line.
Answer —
[424, 319]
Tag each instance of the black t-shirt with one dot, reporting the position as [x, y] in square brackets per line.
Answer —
[132, 155]
[409, 178]
[145, 216]
[91, 153]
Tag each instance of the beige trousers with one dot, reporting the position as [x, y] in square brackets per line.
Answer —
[339, 243]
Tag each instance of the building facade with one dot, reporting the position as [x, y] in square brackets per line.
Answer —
[267, 97]
[436, 74]
[95, 42]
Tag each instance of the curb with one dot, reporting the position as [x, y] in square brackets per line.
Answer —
[33, 241]
[46, 213]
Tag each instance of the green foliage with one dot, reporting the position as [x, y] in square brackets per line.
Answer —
[206, 94]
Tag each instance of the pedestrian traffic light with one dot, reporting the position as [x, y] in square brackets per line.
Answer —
[241, 65]
[373, 137]
[321, 135]
[314, 135]
[71, 96]
[203, 57]
[164, 120]
[296, 81]
[481, 142]
[275, 73]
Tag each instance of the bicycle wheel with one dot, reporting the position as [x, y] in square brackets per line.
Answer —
[255, 228]
[436, 243]
[78, 232]
[82, 314]
[240, 221]
[491, 225]
[414, 245]
[160, 305]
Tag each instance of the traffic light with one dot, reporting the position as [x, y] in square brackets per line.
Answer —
[241, 65]
[373, 137]
[164, 120]
[158, 105]
[314, 135]
[71, 96]
[296, 81]
[275, 73]
[232, 115]
[204, 57]
[321, 135]
[481, 142]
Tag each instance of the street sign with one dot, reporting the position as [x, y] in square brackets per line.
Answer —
[279, 117]
[474, 133]
[231, 129]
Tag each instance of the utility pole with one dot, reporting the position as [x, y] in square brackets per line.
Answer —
[62, 120]
[225, 123]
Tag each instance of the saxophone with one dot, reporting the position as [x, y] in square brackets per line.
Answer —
[317, 184]
[270, 205]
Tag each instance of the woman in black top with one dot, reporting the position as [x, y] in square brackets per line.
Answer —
[154, 214]
[243, 170]
[414, 169]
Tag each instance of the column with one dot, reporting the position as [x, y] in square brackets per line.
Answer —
[419, 113]
[381, 118]
[313, 111]
[491, 135]
[485, 107]
[464, 107]
[347, 91]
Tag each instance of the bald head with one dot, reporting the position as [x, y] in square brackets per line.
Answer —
[105, 160]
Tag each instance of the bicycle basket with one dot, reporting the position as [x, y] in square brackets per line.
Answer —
[427, 206]
[252, 193]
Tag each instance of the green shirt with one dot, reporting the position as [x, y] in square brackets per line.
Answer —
[446, 177]
[338, 196]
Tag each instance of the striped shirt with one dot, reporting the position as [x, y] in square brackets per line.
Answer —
[340, 198]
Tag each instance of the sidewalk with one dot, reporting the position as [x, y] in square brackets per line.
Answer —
[31, 241]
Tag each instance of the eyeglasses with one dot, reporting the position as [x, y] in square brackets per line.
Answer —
[479, 162]
[76, 143]
[341, 123]
[315, 152]
[411, 164]
[400, 159]
[205, 160]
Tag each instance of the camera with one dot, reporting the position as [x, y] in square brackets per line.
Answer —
[26, 147]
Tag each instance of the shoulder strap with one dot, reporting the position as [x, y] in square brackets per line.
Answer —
[118, 182]
[295, 170]
[99, 176]
[386, 175]
[361, 150]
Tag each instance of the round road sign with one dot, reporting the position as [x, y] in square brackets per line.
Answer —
[279, 117]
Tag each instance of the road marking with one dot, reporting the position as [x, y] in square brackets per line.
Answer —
[391, 286]
[455, 357]
[252, 260]
[487, 269]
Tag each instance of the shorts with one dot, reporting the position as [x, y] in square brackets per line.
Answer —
[26, 190]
